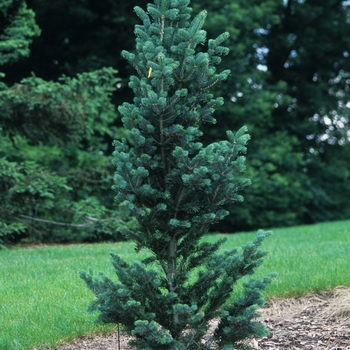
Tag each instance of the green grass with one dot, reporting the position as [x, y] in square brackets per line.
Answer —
[43, 302]
[310, 258]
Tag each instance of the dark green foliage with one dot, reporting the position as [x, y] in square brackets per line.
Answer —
[177, 188]
[78, 37]
[292, 66]
[54, 177]
[296, 110]
[315, 65]
[17, 29]
[64, 112]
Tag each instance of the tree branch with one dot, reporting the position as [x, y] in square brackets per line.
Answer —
[57, 223]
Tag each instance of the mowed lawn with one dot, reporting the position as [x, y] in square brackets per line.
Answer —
[43, 301]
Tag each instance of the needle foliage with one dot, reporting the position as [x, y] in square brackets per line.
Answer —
[177, 188]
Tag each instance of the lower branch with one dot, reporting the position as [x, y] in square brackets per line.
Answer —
[57, 223]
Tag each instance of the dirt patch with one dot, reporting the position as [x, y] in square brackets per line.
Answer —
[314, 322]
[319, 322]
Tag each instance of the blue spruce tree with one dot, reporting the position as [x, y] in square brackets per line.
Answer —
[176, 189]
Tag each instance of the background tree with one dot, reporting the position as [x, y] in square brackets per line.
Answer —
[315, 65]
[17, 30]
[52, 141]
[291, 91]
[79, 37]
[176, 188]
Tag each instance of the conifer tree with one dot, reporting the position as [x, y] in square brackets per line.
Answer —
[51, 136]
[17, 29]
[176, 188]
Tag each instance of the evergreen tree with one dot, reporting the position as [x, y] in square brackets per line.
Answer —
[17, 29]
[176, 188]
[51, 147]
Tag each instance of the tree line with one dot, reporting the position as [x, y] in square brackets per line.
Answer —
[63, 76]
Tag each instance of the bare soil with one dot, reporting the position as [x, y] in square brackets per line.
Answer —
[314, 322]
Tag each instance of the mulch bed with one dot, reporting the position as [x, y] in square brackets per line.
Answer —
[315, 322]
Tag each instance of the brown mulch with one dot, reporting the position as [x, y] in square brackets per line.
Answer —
[315, 322]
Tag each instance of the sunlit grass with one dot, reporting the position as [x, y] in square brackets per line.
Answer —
[43, 301]
[306, 258]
